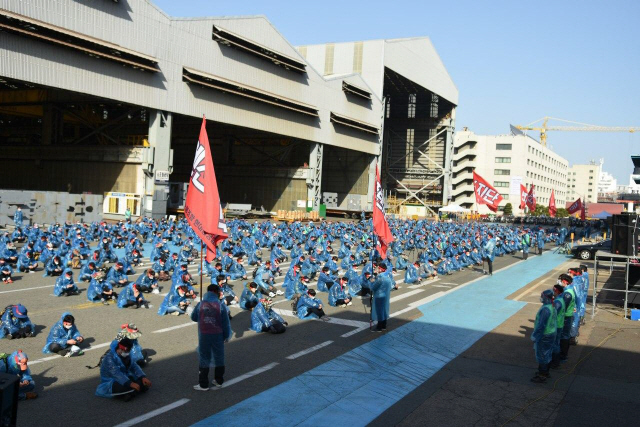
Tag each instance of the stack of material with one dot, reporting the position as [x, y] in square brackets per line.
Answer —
[291, 216]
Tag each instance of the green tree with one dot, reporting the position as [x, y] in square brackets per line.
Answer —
[540, 210]
[508, 209]
[562, 213]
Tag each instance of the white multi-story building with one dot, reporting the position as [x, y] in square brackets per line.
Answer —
[607, 183]
[583, 182]
[505, 161]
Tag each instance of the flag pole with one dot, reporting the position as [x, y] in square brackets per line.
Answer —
[373, 252]
[201, 271]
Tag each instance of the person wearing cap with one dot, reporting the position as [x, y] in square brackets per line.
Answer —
[544, 335]
[120, 376]
[249, 297]
[117, 277]
[100, 290]
[5, 271]
[310, 307]
[131, 331]
[54, 267]
[65, 285]
[339, 294]
[15, 323]
[214, 329]
[264, 319]
[17, 364]
[381, 290]
[147, 282]
[175, 303]
[64, 337]
[131, 297]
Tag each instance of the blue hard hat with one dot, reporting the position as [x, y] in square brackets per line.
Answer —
[19, 311]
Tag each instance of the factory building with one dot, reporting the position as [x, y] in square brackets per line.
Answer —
[106, 98]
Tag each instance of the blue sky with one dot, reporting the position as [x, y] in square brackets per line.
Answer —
[512, 61]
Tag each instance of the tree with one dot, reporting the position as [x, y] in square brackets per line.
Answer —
[508, 209]
[562, 213]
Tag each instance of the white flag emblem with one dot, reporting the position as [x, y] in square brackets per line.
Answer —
[197, 173]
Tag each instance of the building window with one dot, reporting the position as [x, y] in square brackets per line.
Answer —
[412, 106]
[388, 107]
[500, 184]
[503, 159]
[503, 146]
[433, 113]
[357, 57]
[409, 136]
[502, 172]
[328, 59]
[505, 196]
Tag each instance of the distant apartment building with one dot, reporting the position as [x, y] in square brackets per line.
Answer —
[583, 182]
[505, 161]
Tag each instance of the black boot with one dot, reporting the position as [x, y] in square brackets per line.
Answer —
[203, 377]
[564, 350]
[218, 373]
[555, 361]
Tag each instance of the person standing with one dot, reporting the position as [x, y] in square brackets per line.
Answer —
[381, 289]
[540, 240]
[544, 335]
[214, 329]
[127, 214]
[489, 249]
[526, 242]
[17, 217]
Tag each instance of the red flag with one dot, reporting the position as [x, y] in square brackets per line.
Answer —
[552, 205]
[531, 199]
[523, 196]
[582, 212]
[485, 193]
[202, 208]
[380, 225]
[575, 207]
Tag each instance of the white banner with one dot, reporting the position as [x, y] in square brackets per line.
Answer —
[514, 188]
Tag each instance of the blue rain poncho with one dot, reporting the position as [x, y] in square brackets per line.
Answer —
[62, 284]
[13, 368]
[96, 287]
[544, 330]
[214, 328]
[113, 370]
[11, 324]
[127, 295]
[171, 303]
[59, 335]
[248, 296]
[261, 317]
[381, 290]
[411, 275]
[337, 292]
[304, 303]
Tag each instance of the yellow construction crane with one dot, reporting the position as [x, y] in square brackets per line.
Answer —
[584, 127]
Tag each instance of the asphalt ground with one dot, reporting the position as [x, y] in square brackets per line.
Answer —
[254, 362]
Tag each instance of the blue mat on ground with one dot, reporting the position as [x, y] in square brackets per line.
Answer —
[358, 386]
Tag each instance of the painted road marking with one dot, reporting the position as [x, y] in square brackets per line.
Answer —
[92, 347]
[153, 413]
[309, 350]
[26, 289]
[406, 295]
[249, 374]
[184, 325]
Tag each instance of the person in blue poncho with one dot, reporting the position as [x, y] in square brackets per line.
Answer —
[64, 337]
[86, 272]
[5, 271]
[249, 298]
[65, 286]
[54, 267]
[264, 319]
[339, 294]
[175, 303]
[117, 277]
[18, 217]
[15, 323]
[544, 335]
[325, 280]
[310, 307]
[489, 249]
[381, 289]
[131, 297]
[214, 329]
[17, 364]
[100, 290]
[411, 275]
[27, 263]
[120, 376]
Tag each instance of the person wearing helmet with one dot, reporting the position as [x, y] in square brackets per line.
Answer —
[544, 335]
[264, 319]
[100, 290]
[17, 364]
[14, 322]
[120, 376]
[65, 286]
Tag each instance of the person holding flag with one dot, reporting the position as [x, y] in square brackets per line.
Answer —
[381, 287]
[204, 214]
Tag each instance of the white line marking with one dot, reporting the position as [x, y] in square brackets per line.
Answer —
[154, 413]
[184, 325]
[309, 350]
[355, 331]
[406, 295]
[418, 303]
[442, 286]
[93, 347]
[249, 375]
[26, 289]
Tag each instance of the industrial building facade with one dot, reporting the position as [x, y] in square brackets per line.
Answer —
[505, 161]
[107, 98]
